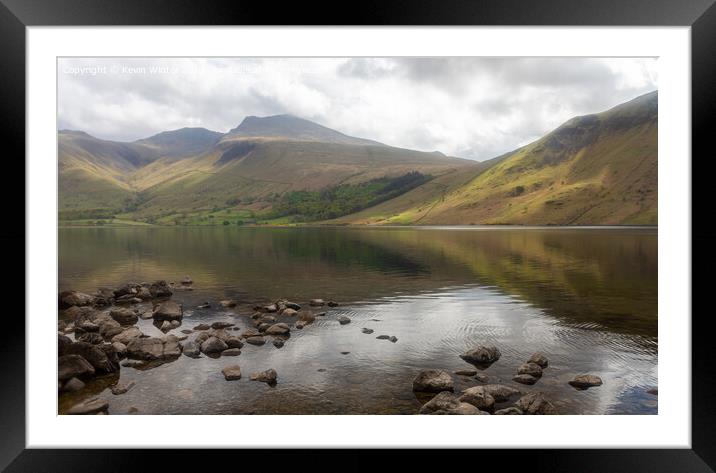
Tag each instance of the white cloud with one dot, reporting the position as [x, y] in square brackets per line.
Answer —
[469, 107]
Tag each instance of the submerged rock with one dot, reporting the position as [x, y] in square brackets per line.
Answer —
[92, 406]
[127, 335]
[466, 372]
[278, 329]
[220, 325]
[535, 404]
[269, 376]
[213, 345]
[478, 397]
[231, 373]
[509, 411]
[74, 366]
[186, 280]
[527, 379]
[367, 330]
[432, 381]
[202, 327]
[73, 385]
[102, 357]
[446, 403]
[585, 381]
[532, 369]
[500, 392]
[168, 310]
[191, 349]
[343, 320]
[120, 388]
[231, 352]
[145, 348]
[539, 359]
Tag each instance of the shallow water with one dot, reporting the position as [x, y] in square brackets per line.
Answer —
[587, 298]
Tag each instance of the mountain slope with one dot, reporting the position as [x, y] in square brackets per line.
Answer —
[594, 169]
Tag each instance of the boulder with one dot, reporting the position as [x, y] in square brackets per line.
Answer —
[231, 352]
[509, 411]
[250, 333]
[191, 349]
[93, 406]
[432, 381]
[446, 403]
[63, 342]
[91, 337]
[73, 366]
[278, 329]
[68, 299]
[539, 359]
[171, 348]
[220, 325]
[73, 385]
[234, 342]
[500, 392]
[263, 327]
[584, 381]
[168, 310]
[165, 326]
[96, 356]
[213, 345]
[478, 397]
[221, 334]
[120, 349]
[202, 337]
[256, 340]
[232, 372]
[527, 379]
[127, 335]
[269, 376]
[532, 369]
[342, 319]
[129, 289]
[160, 289]
[289, 312]
[143, 293]
[145, 348]
[110, 328]
[535, 404]
[482, 355]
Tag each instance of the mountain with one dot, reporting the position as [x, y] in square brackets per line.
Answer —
[594, 169]
[191, 173]
[289, 127]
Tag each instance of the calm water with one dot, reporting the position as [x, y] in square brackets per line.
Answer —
[585, 297]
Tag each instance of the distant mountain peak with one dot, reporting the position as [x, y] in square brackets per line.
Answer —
[294, 128]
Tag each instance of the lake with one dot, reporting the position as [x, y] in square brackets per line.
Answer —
[585, 297]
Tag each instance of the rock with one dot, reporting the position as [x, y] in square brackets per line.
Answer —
[482, 355]
[383, 337]
[532, 369]
[267, 319]
[220, 325]
[653, 391]
[172, 347]
[256, 340]
[367, 330]
[109, 328]
[466, 372]
[509, 411]
[205, 305]
[101, 361]
[68, 299]
[270, 308]
[432, 381]
[299, 324]
[213, 345]
[175, 324]
[186, 280]
[446, 403]
[234, 342]
[232, 372]
[292, 305]
[345, 352]
[278, 343]
[221, 334]
[263, 327]
[535, 404]
[120, 349]
[316, 302]
[103, 297]
[133, 363]
[585, 381]
[63, 342]
[127, 335]
[289, 312]
[202, 337]
[191, 349]
[482, 377]
[160, 289]
[132, 410]
[342, 319]
[73, 385]
[478, 397]
[145, 348]
[231, 352]
[129, 289]
[525, 379]
[250, 333]
[120, 388]
[88, 326]
[307, 317]
[73, 366]
[128, 300]
[393, 339]
[146, 315]
[144, 293]
[539, 359]
[228, 303]
[202, 327]
[269, 376]
[320, 314]
[165, 326]
[168, 310]
[278, 329]
[78, 314]
[91, 338]
[89, 407]
[187, 331]
[500, 392]
[332, 304]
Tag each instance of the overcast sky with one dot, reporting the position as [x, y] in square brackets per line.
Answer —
[469, 107]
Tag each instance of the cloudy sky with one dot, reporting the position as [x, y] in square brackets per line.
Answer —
[474, 108]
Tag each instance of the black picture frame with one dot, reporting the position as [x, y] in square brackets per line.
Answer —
[700, 15]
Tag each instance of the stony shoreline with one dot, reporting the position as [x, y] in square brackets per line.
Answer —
[98, 336]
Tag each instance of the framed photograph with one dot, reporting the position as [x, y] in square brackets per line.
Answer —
[285, 232]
